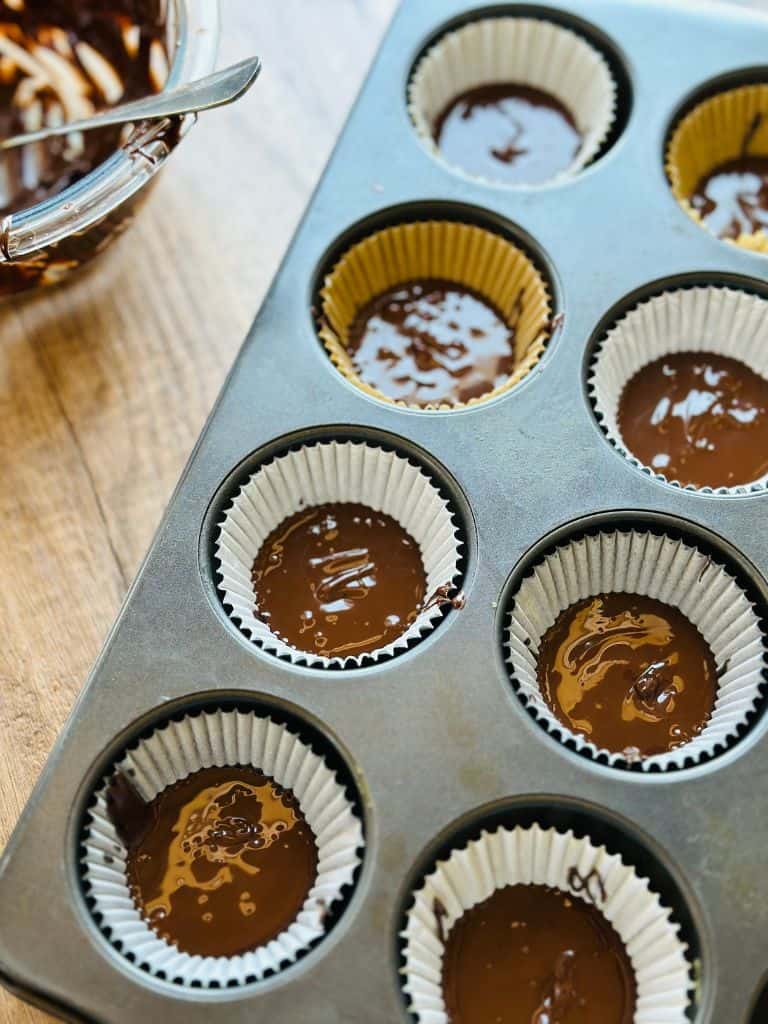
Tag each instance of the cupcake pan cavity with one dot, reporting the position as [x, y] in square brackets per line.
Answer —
[549, 857]
[712, 133]
[436, 732]
[534, 52]
[669, 568]
[337, 472]
[493, 266]
[178, 748]
[726, 321]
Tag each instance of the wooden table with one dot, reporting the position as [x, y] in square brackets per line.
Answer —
[106, 383]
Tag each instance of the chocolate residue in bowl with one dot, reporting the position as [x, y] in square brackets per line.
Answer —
[61, 61]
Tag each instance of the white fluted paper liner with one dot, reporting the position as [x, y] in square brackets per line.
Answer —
[170, 754]
[723, 321]
[669, 570]
[330, 472]
[525, 51]
[536, 856]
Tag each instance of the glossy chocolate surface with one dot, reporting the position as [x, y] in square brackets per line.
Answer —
[697, 418]
[339, 580]
[432, 341]
[628, 673]
[533, 955]
[732, 199]
[222, 862]
[47, 73]
[508, 133]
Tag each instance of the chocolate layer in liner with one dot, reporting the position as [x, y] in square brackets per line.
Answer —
[732, 198]
[338, 580]
[431, 341]
[530, 954]
[510, 133]
[698, 418]
[629, 673]
[46, 72]
[219, 863]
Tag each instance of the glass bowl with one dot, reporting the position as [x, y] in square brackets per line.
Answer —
[44, 243]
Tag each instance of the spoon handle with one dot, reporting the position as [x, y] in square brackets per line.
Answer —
[214, 90]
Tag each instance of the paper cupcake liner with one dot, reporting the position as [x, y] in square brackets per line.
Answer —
[660, 567]
[170, 754]
[536, 856]
[711, 134]
[722, 321]
[333, 471]
[468, 255]
[525, 51]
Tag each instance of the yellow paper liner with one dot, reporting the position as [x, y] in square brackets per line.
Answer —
[478, 259]
[712, 134]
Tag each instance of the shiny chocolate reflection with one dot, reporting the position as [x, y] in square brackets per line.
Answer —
[628, 673]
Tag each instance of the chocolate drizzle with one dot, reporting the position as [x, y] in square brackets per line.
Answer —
[698, 418]
[509, 133]
[591, 884]
[751, 132]
[440, 912]
[339, 580]
[432, 341]
[444, 595]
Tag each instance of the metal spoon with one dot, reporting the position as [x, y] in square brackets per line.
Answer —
[214, 90]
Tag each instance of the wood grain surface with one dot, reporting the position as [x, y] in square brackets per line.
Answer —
[106, 383]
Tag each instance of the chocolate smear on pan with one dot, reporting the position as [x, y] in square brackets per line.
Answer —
[590, 885]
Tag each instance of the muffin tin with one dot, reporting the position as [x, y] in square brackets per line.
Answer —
[434, 744]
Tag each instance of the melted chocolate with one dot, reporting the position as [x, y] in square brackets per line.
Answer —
[508, 133]
[132, 816]
[226, 862]
[628, 672]
[432, 341]
[47, 74]
[339, 580]
[760, 1012]
[732, 199]
[697, 418]
[533, 955]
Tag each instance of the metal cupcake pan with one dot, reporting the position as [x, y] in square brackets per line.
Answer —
[434, 743]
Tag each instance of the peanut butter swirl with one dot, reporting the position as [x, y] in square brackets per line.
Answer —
[628, 673]
[219, 863]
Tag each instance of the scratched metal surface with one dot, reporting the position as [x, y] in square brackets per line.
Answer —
[437, 733]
